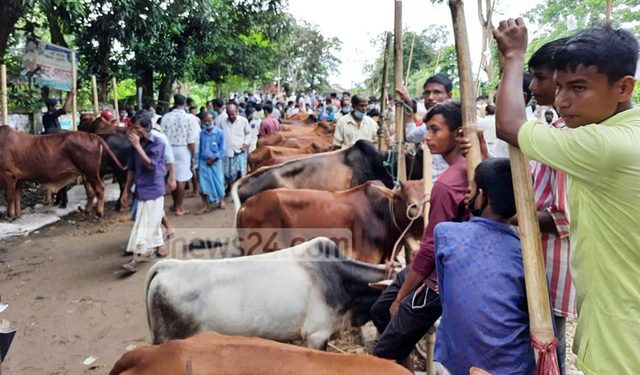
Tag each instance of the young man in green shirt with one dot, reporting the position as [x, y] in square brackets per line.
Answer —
[594, 74]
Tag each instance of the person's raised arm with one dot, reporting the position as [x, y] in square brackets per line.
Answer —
[68, 104]
[511, 37]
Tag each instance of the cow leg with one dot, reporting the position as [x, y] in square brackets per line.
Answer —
[91, 194]
[10, 196]
[98, 187]
[319, 340]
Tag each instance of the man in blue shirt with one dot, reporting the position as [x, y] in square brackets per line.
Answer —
[147, 169]
[485, 320]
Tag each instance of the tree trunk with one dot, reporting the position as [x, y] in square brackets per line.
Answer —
[103, 74]
[10, 12]
[164, 93]
[145, 80]
[57, 37]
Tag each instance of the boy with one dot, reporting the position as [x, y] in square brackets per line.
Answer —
[600, 157]
[147, 169]
[402, 314]
[211, 173]
[485, 321]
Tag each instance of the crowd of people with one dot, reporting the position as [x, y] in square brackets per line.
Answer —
[582, 136]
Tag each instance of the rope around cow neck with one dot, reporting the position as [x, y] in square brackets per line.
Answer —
[412, 219]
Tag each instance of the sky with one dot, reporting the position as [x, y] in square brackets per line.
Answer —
[356, 22]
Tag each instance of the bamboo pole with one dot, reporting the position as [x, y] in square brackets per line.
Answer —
[609, 6]
[94, 85]
[383, 91]
[535, 276]
[467, 90]
[74, 81]
[3, 93]
[402, 169]
[413, 42]
[428, 185]
[115, 99]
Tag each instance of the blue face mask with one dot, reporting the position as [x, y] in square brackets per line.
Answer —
[346, 110]
[209, 127]
[358, 115]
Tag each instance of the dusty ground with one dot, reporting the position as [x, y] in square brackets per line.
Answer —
[70, 300]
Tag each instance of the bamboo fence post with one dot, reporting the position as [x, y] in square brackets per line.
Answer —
[402, 169]
[74, 82]
[3, 93]
[115, 99]
[428, 184]
[609, 6]
[94, 85]
[467, 89]
[413, 42]
[383, 91]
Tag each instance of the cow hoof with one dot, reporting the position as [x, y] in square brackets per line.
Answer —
[99, 215]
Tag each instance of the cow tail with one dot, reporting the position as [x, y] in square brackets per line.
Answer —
[111, 154]
[236, 198]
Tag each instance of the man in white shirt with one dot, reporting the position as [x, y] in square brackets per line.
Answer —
[254, 123]
[355, 125]
[237, 136]
[178, 127]
[488, 126]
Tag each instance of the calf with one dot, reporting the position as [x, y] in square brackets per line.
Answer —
[52, 160]
[213, 354]
[307, 292]
[376, 216]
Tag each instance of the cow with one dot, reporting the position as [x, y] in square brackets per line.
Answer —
[376, 217]
[307, 292]
[330, 171]
[210, 353]
[52, 160]
[263, 153]
[89, 123]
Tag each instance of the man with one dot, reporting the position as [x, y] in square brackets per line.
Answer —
[220, 110]
[488, 126]
[237, 136]
[50, 120]
[151, 110]
[196, 125]
[254, 123]
[501, 148]
[600, 158]
[333, 97]
[355, 125]
[179, 129]
[436, 89]
[147, 169]
[270, 124]
[404, 312]
[551, 202]
[485, 319]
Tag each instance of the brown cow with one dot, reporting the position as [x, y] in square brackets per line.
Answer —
[52, 160]
[375, 215]
[209, 353]
[264, 153]
[89, 123]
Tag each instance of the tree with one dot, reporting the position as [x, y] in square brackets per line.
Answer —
[307, 57]
[10, 13]
[425, 52]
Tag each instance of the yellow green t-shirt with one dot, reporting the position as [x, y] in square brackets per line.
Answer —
[602, 162]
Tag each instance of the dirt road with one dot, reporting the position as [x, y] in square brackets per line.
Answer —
[69, 298]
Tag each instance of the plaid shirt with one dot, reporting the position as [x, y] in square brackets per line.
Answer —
[550, 186]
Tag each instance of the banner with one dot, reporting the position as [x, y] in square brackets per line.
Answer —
[49, 64]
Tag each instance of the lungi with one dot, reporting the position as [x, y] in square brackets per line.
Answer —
[146, 233]
[182, 163]
[211, 179]
[235, 167]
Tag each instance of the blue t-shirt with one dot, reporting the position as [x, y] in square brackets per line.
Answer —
[485, 319]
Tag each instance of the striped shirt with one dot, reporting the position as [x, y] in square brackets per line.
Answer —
[550, 195]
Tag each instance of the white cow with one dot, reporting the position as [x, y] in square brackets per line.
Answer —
[307, 292]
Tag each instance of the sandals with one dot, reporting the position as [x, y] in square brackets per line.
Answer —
[131, 266]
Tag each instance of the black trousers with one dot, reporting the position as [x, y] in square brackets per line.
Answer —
[417, 313]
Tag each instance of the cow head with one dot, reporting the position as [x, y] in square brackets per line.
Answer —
[412, 196]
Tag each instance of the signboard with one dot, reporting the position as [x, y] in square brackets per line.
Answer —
[50, 64]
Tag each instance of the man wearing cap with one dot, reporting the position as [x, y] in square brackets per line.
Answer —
[50, 120]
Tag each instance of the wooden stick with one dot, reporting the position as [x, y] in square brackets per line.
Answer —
[428, 185]
[406, 79]
[402, 169]
[540, 324]
[139, 98]
[383, 91]
[3, 93]
[609, 6]
[74, 81]
[467, 91]
[115, 98]
[96, 104]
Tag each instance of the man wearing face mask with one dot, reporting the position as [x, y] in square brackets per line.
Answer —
[355, 125]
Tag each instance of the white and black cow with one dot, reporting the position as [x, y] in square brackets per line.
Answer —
[307, 292]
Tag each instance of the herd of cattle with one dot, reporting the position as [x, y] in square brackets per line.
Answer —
[305, 293]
